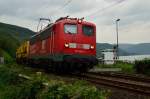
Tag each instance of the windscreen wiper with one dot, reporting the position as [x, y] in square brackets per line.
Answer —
[69, 32]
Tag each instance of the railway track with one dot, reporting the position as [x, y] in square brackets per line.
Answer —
[135, 77]
[133, 83]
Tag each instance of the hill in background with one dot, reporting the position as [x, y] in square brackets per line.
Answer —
[126, 49]
[17, 32]
[138, 49]
[10, 38]
[104, 46]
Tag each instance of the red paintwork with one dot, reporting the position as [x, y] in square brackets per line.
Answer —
[56, 45]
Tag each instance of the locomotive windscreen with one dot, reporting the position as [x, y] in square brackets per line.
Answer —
[88, 30]
[70, 28]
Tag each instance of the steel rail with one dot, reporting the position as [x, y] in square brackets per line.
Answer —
[135, 77]
[121, 83]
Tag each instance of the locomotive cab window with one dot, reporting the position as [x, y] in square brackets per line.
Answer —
[88, 30]
[70, 28]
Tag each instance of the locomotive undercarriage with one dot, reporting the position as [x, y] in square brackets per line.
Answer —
[69, 63]
[67, 67]
[61, 67]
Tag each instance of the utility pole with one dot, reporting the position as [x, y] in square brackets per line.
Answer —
[117, 49]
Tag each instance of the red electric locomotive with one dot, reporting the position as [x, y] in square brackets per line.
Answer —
[67, 44]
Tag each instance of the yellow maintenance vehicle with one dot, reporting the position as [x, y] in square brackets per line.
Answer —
[22, 52]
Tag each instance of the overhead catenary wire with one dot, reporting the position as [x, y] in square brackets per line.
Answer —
[105, 8]
[99, 11]
[62, 7]
[53, 12]
[91, 14]
[66, 3]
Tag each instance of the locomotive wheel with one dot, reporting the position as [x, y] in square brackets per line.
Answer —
[64, 67]
[83, 68]
[72, 67]
[60, 67]
[77, 68]
[52, 67]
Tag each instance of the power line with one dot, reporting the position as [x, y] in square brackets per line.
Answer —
[105, 8]
[62, 7]
[66, 3]
[53, 12]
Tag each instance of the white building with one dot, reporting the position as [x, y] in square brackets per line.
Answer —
[108, 56]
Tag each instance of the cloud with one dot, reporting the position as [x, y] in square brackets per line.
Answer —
[134, 15]
[28, 8]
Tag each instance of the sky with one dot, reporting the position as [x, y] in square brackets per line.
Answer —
[133, 27]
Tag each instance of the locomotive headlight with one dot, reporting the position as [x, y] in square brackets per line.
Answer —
[66, 45]
[92, 47]
[79, 21]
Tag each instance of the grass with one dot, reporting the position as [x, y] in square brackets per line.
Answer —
[13, 87]
[126, 67]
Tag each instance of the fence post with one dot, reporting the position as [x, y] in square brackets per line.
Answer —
[1, 60]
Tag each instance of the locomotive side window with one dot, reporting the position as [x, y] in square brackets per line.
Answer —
[43, 44]
[70, 28]
[88, 30]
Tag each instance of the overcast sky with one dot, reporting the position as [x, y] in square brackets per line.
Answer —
[134, 15]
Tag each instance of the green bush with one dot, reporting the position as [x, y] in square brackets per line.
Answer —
[142, 66]
[6, 55]
[28, 90]
[7, 76]
[77, 90]
[14, 87]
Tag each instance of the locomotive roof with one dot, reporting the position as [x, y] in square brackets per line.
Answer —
[63, 20]
[47, 27]
[73, 20]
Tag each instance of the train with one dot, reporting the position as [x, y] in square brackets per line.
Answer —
[68, 44]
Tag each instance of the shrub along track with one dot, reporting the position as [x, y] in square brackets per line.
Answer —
[133, 83]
